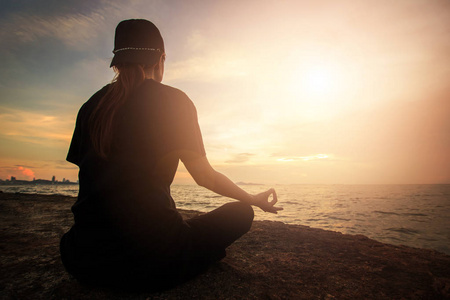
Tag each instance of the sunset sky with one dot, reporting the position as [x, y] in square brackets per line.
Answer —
[333, 92]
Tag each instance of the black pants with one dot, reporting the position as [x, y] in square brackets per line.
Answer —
[208, 237]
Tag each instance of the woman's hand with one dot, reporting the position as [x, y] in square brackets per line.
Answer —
[261, 200]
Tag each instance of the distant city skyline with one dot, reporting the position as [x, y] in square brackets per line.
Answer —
[52, 179]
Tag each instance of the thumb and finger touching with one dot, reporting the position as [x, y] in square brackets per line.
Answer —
[264, 203]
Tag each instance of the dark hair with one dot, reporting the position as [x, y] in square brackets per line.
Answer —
[101, 121]
[138, 45]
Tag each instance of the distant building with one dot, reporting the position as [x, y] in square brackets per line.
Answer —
[53, 179]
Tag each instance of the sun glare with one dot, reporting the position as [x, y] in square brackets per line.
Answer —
[319, 81]
[316, 81]
[319, 86]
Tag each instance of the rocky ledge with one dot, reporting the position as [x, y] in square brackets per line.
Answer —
[272, 261]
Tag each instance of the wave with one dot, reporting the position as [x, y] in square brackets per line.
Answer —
[427, 239]
[290, 202]
[415, 214]
[337, 218]
[400, 214]
[403, 230]
[386, 213]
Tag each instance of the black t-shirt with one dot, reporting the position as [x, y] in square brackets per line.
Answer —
[129, 193]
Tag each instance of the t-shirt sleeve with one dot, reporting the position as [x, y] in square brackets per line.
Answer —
[73, 155]
[79, 138]
[188, 135]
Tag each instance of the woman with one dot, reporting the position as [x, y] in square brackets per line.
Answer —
[128, 140]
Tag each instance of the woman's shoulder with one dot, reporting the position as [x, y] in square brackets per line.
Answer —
[166, 91]
[96, 96]
[92, 101]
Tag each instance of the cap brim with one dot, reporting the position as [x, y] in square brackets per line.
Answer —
[135, 57]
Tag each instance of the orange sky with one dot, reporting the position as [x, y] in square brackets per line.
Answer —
[286, 91]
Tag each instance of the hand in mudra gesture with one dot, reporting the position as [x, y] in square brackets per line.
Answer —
[261, 200]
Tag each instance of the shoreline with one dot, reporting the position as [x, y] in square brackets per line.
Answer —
[419, 224]
[274, 260]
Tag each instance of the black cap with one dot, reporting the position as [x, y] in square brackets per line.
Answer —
[137, 41]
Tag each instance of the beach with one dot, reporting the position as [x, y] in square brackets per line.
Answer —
[272, 261]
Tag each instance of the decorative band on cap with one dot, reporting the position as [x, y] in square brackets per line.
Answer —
[133, 48]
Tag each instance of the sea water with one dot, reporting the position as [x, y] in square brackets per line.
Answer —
[412, 215]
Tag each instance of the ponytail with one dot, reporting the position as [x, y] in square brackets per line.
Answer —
[101, 121]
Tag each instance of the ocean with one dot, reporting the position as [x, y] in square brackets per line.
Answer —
[412, 215]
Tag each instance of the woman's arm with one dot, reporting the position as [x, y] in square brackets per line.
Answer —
[204, 175]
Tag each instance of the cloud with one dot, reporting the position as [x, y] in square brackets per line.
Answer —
[20, 172]
[35, 127]
[75, 30]
[207, 68]
[305, 158]
[240, 158]
[27, 172]
[62, 165]
[77, 24]
[207, 59]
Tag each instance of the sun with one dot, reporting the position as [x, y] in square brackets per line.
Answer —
[319, 80]
[317, 87]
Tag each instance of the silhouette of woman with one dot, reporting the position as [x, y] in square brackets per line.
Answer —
[127, 143]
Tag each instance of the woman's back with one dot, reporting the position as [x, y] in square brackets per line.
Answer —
[128, 141]
[130, 190]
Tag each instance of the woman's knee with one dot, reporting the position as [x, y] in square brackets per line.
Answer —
[248, 211]
[244, 213]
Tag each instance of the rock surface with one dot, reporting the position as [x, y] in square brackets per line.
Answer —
[272, 261]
